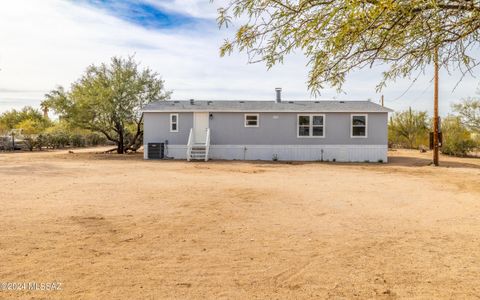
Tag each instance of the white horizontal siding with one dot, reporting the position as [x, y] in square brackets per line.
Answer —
[340, 153]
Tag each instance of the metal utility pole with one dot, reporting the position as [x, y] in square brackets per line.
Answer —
[435, 111]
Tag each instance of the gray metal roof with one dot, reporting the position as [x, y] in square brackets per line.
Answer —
[265, 106]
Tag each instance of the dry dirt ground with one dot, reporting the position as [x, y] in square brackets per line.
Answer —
[110, 227]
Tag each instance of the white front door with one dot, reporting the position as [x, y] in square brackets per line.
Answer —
[200, 125]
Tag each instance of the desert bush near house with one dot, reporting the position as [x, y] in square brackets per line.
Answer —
[409, 129]
[458, 139]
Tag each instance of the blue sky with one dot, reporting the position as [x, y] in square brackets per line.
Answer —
[147, 14]
[51, 42]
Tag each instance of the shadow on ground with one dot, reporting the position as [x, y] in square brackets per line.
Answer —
[420, 162]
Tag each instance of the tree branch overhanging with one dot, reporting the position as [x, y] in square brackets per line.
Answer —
[340, 36]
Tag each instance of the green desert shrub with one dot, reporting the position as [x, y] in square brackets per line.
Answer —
[57, 140]
[457, 140]
[95, 139]
[408, 129]
[77, 140]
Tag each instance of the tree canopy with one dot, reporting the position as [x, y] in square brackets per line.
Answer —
[343, 35]
[28, 119]
[469, 111]
[108, 99]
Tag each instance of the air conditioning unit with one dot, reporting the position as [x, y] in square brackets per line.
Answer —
[156, 150]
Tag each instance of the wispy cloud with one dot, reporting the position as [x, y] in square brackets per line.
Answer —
[147, 14]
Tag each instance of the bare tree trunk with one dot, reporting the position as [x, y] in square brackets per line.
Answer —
[110, 150]
[134, 144]
[120, 148]
[411, 141]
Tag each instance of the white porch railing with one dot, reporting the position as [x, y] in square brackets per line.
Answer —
[190, 144]
[207, 144]
[198, 150]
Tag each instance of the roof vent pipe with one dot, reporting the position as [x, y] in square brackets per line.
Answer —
[192, 101]
[279, 95]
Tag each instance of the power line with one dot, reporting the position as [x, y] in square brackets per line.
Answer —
[407, 90]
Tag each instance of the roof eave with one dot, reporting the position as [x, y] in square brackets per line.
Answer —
[387, 110]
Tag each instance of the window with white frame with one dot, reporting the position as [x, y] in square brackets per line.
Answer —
[359, 126]
[251, 120]
[311, 126]
[173, 122]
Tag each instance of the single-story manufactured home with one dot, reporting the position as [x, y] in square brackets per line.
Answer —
[343, 131]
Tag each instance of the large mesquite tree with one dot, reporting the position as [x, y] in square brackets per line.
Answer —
[108, 99]
[338, 36]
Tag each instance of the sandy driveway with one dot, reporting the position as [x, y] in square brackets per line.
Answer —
[110, 227]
